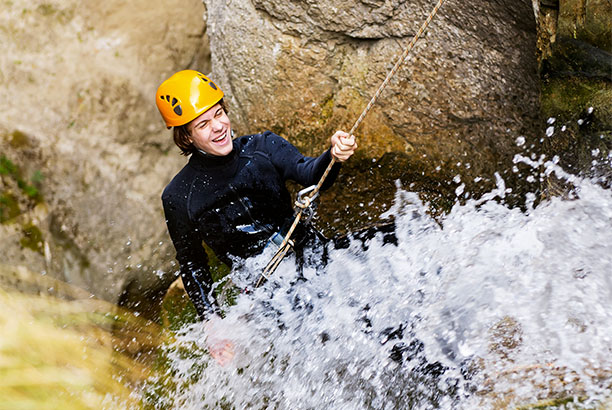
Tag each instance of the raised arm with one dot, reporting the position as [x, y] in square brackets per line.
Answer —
[308, 170]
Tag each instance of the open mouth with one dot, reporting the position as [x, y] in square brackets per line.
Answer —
[222, 137]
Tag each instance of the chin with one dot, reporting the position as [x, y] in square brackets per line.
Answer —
[225, 150]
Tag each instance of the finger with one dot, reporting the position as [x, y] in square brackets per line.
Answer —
[341, 133]
[345, 148]
[343, 144]
[339, 136]
[337, 152]
[348, 139]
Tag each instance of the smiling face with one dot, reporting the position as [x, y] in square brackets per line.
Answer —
[211, 132]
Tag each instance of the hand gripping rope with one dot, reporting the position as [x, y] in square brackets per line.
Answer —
[306, 196]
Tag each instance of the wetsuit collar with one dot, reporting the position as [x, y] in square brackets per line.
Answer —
[203, 160]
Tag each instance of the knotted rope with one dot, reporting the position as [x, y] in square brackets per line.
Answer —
[302, 203]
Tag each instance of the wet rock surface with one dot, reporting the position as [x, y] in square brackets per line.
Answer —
[469, 89]
[575, 60]
[83, 153]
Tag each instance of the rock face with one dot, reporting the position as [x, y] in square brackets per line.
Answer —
[575, 59]
[83, 153]
[304, 69]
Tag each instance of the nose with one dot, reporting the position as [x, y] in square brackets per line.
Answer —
[216, 124]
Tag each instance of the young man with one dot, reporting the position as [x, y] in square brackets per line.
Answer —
[231, 195]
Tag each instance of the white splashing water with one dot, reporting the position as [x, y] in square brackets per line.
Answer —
[507, 306]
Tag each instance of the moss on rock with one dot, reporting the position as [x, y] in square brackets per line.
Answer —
[9, 207]
[569, 99]
[32, 238]
[177, 309]
[18, 194]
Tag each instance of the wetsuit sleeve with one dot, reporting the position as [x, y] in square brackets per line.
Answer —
[191, 256]
[294, 166]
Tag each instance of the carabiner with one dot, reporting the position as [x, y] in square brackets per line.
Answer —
[300, 197]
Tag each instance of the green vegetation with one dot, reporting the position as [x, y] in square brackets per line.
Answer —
[159, 391]
[29, 188]
[327, 107]
[54, 355]
[7, 167]
[32, 238]
[10, 201]
[226, 292]
[583, 111]
[71, 350]
[177, 309]
[569, 98]
[18, 139]
[9, 207]
[218, 269]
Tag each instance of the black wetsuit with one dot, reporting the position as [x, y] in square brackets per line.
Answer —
[234, 204]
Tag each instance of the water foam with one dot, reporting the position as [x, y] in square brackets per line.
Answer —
[492, 304]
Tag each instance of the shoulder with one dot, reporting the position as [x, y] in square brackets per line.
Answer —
[257, 141]
[179, 186]
[267, 143]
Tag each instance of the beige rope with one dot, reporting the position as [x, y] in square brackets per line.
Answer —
[285, 245]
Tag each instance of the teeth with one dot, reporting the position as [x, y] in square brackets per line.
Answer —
[220, 138]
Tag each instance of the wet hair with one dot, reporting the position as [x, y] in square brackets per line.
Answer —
[182, 135]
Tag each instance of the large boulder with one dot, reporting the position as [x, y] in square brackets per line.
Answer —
[83, 153]
[304, 69]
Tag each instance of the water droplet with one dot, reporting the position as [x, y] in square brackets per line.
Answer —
[460, 189]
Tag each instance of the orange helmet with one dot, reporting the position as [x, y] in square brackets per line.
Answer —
[186, 95]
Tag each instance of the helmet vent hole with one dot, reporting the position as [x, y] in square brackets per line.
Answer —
[214, 87]
[174, 101]
[178, 110]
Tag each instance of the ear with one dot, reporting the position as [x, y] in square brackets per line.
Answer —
[189, 135]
